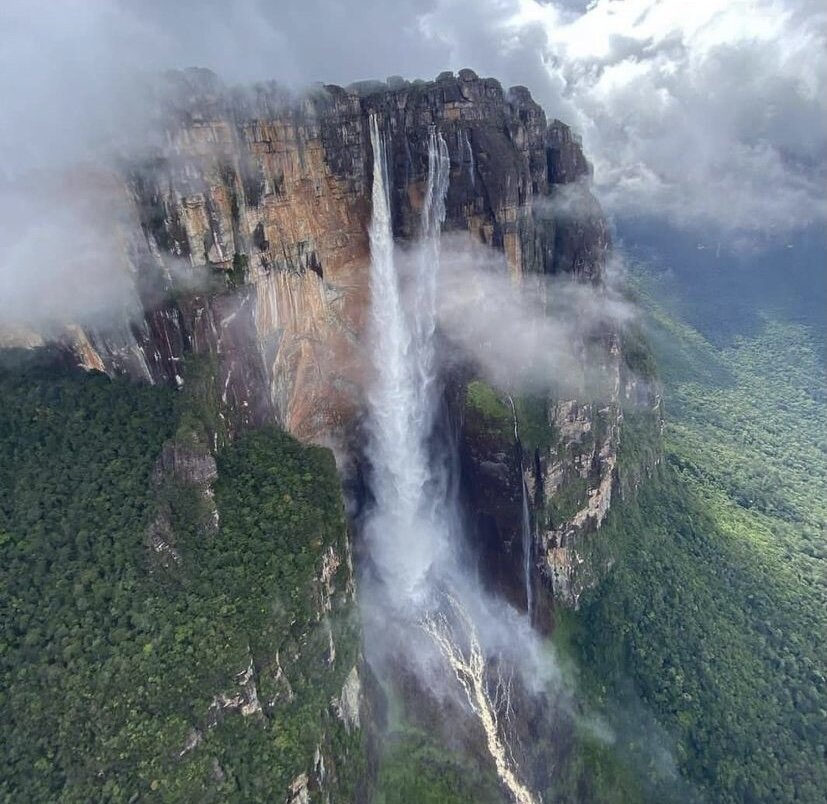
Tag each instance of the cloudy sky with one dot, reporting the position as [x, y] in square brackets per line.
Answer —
[709, 114]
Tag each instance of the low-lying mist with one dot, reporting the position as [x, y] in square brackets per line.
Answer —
[63, 260]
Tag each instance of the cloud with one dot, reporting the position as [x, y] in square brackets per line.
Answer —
[79, 84]
[62, 260]
[532, 336]
[708, 115]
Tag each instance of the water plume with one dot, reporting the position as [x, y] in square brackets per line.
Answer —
[411, 530]
[405, 531]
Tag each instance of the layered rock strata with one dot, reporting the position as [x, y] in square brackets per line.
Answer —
[261, 202]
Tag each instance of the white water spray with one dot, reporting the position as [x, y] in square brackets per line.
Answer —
[409, 529]
[401, 400]
[471, 673]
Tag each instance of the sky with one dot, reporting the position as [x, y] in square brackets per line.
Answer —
[710, 113]
[710, 116]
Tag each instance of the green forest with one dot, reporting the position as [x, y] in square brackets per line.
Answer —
[111, 662]
[713, 618]
[702, 650]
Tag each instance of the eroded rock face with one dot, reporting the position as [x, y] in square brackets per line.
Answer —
[584, 466]
[271, 197]
[565, 454]
[568, 479]
[263, 202]
[349, 704]
[188, 461]
[185, 462]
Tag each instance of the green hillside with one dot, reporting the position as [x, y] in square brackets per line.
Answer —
[113, 652]
[715, 614]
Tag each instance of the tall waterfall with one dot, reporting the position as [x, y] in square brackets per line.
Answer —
[527, 537]
[410, 525]
[406, 532]
[527, 534]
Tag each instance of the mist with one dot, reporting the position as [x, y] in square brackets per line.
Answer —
[64, 262]
[533, 334]
[78, 83]
[443, 306]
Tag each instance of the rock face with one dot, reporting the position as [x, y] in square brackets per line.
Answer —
[263, 202]
[562, 453]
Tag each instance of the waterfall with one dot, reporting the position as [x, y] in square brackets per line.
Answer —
[468, 157]
[527, 542]
[526, 532]
[406, 532]
[471, 672]
[409, 528]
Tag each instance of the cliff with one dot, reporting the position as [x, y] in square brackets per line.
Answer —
[263, 200]
[267, 198]
[245, 233]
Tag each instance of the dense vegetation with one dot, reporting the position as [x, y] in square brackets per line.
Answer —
[714, 614]
[115, 655]
[417, 769]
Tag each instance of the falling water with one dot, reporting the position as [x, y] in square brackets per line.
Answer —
[409, 528]
[424, 311]
[527, 541]
[527, 534]
[402, 400]
[468, 157]
[471, 672]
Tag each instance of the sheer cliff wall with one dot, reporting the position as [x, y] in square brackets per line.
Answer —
[264, 202]
[267, 200]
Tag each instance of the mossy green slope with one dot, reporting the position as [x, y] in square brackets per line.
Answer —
[719, 590]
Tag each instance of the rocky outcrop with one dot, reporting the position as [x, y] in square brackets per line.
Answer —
[260, 202]
[564, 454]
[184, 465]
[187, 461]
[491, 478]
[574, 480]
[349, 704]
[249, 246]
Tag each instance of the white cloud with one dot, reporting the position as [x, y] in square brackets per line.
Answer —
[709, 114]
